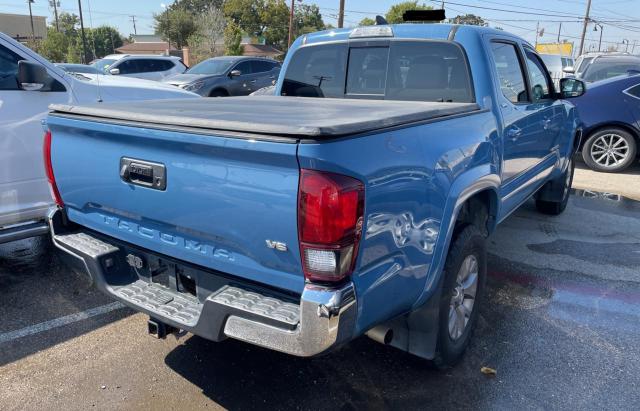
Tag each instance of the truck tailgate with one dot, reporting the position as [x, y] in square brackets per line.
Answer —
[221, 200]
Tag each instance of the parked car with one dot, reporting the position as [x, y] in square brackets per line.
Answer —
[228, 76]
[584, 60]
[297, 222]
[79, 68]
[265, 91]
[556, 65]
[28, 84]
[610, 112]
[148, 67]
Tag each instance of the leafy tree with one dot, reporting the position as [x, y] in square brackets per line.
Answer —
[394, 15]
[470, 19]
[54, 47]
[104, 40]
[232, 39]
[197, 6]
[276, 31]
[246, 15]
[175, 25]
[308, 19]
[367, 21]
[208, 40]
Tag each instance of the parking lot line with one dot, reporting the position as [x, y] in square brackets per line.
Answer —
[59, 322]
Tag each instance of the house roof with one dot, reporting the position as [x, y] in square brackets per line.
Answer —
[144, 47]
[261, 50]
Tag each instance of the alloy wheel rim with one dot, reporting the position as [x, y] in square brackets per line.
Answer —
[609, 150]
[463, 297]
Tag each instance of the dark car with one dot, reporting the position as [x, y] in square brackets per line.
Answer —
[228, 76]
[610, 111]
[608, 66]
[78, 68]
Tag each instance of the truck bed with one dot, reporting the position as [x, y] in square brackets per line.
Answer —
[286, 117]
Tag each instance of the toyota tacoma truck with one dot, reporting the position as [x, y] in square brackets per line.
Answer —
[356, 200]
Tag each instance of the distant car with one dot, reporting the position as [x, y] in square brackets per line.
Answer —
[556, 64]
[582, 62]
[79, 68]
[608, 66]
[610, 112]
[265, 91]
[228, 76]
[28, 85]
[148, 67]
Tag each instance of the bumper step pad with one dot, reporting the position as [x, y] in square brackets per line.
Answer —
[164, 302]
[86, 244]
[253, 303]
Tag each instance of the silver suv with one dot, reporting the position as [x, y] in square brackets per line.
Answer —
[149, 67]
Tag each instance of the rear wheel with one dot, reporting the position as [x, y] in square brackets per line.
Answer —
[464, 277]
[564, 181]
[609, 150]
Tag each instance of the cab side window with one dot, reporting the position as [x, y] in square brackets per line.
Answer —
[9, 69]
[510, 72]
[541, 88]
[128, 67]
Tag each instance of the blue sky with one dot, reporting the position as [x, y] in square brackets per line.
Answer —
[621, 18]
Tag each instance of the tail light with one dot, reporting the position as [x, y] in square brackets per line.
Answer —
[46, 150]
[330, 214]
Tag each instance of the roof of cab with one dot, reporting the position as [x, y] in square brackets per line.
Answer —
[437, 31]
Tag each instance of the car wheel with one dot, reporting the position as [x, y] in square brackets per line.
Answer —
[219, 93]
[557, 207]
[464, 273]
[609, 150]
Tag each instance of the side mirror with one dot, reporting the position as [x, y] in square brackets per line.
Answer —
[569, 70]
[571, 87]
[32, 76]
[114, 71]
[235, 73]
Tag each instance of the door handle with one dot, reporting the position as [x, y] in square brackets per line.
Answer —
[253, 81]
[546, 123]
[514, 133]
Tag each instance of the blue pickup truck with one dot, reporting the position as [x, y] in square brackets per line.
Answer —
[357, 200]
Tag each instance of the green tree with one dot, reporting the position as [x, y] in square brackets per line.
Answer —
[175, 25]
[394, 15]
[104, 40]
[470, 19]
[197, 6]
[208, 40]
[54, 47]
[276, 30]
[246, 15]
[232, 39]
[308, 19]
[367, 21]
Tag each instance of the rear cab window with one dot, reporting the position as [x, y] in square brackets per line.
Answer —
[395, 70]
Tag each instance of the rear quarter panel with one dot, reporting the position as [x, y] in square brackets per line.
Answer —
[409, 175]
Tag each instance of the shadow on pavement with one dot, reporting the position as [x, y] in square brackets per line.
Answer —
[36, 287]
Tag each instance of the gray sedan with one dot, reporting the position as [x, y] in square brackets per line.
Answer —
[228, 76]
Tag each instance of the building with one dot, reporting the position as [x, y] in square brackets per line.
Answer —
[261, 50]
[18, 26]
[147, 44]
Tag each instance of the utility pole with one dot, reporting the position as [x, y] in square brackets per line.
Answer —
[55, 4]
[634, 46]
[559, 30]
[341, 15]
[584, 27]
[33, 32]
[537, 31]
[84, 38]
[601, 30]
[133, 19]
[291, 24]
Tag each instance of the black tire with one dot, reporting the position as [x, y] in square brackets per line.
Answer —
[589, 151]
[218, 93]
[564, 183]
[468, 242]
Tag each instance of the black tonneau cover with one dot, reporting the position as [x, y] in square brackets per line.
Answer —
[274, 115]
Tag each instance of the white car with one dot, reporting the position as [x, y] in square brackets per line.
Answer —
[148, 67]
[28, 85]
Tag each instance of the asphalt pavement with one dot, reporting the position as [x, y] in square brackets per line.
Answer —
[560, 325]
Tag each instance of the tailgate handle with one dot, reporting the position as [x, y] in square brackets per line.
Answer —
[143, 173]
